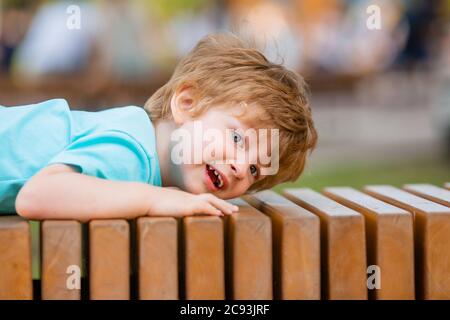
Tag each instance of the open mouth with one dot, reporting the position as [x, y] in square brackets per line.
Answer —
[215, 176]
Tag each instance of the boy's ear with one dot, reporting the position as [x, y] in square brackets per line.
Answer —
[182, 103]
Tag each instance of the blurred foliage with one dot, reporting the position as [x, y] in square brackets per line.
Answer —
[168, 9]
[18, 3]
[357, 175]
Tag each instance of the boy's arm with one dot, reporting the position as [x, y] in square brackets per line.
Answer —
[59, 192]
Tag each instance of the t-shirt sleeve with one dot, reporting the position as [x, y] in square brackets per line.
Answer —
[111, 155]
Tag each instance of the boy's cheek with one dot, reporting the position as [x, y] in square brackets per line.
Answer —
[192, 176]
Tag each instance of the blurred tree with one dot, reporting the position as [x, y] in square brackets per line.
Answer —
[167, 10]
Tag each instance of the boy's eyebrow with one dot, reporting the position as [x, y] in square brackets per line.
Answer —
[235, 122]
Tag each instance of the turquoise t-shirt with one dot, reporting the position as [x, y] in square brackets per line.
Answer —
[114, 144]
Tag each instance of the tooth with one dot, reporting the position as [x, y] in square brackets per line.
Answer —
[216, 173]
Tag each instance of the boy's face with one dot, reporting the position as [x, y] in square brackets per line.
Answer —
[213, 153]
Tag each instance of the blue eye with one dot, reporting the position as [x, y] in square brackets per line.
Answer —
[237, 138]
[253, 170]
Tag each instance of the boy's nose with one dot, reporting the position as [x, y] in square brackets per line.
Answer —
[239, 170]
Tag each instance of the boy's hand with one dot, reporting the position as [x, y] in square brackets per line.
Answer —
[58, 192]
[177, 203]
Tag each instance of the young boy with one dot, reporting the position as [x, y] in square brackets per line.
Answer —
[123, 162]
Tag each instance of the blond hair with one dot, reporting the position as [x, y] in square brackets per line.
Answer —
[224, 69]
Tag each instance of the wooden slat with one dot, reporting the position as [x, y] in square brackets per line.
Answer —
[157, 258]
[343, 245]
[204, 258]
[15, 259]
[390, 241]
[432, 238]
[61, 259]
[109, 259]
[430, 192]
[296, 239]
[249, 254]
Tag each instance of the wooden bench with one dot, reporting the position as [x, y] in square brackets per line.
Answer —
[303, 244]
[432, 236]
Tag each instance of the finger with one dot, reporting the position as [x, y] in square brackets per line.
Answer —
[208, 208]
[222, 205]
